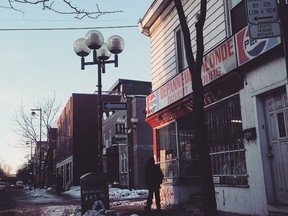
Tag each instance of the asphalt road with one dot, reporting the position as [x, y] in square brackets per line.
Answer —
[16, 202]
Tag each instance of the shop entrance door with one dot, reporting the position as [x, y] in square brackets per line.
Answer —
[276, 108]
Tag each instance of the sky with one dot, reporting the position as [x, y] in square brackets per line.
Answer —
[35, 64]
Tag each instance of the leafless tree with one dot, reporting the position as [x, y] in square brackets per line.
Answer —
[64, 7]
[206, 180]
[5, 169]
[26, 125]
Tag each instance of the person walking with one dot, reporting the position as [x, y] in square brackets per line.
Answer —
[153, 177]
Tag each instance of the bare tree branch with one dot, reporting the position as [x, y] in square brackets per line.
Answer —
[71, 9]
[24, 122]
[27, 127]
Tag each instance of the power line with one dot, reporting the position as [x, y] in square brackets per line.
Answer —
[65, 29]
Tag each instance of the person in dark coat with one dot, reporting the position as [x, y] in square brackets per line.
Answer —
[153, 177]
[59, 183]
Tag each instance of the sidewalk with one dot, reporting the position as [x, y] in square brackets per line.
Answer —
[139, 211]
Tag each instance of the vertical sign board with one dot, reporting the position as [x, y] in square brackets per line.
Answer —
[263, 18]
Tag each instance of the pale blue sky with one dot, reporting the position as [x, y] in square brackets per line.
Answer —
[35, 64]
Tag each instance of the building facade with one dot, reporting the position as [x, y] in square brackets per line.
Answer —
[245, 83]
[127, 137]
[77, 145]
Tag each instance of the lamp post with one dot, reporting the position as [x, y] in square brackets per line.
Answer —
[27, 143]
[31, 163]
[94, 41]
[33, 113]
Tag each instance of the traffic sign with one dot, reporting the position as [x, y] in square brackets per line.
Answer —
[263, 18]
[121, 136]
[261, 11]
[115, 105]
[265, 30]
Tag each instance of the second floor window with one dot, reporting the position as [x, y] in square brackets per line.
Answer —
[180, 51]
[238, 15]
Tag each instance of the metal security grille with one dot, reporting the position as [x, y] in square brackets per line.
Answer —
[225, 137]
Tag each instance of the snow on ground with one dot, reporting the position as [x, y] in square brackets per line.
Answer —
[117, 196]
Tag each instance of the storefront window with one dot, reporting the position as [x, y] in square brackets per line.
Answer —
[188, 154]
[177, 152]
[167, 152]
[225, 136]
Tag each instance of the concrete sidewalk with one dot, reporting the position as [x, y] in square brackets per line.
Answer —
[139, 210]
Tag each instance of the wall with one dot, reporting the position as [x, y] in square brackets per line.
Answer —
[163, 53]
[259, 79]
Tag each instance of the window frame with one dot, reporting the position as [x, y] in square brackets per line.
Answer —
[181, 62]
[227, 150]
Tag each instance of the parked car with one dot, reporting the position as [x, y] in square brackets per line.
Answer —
[2, 186]
[8, 185]
[19, 184]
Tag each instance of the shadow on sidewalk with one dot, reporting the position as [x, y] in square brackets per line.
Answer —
[139, 211]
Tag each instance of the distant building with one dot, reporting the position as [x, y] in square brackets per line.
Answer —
[49, 160]
[76, 152]
[127, 137]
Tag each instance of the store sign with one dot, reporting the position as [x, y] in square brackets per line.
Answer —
[219, 61]
[249, 48]
[216, 63]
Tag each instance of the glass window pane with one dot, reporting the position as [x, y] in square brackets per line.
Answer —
[281, 124]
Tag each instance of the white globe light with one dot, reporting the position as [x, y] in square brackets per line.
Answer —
[94, 39]
[80, 48]
[103, 53]
[115, 44]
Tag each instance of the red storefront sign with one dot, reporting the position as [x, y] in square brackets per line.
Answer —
[216, 63]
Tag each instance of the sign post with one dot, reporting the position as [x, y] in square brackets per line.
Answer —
[263, 18]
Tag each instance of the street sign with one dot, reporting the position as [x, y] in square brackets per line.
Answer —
[265, 30]
[121, 136]
[115, 106]
[261, 11]
[263, 18]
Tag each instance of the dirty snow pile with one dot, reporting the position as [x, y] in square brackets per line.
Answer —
[118, 197]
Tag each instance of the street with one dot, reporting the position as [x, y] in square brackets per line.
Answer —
[46, 202]
[19, 202]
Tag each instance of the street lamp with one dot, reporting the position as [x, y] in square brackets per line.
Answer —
[33, 113]
[94, 41]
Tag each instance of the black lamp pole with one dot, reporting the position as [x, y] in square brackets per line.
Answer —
[101, 52]
[40, 145]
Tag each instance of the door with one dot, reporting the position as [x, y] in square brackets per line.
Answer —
[276, 108]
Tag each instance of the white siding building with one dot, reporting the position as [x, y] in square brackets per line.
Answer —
[246, 108]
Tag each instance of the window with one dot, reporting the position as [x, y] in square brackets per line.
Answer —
[123, 159]
[225, 136]
[234, 3]
[167, 152]
[178, 155]
[188, 157]
[238, 16]
[180, 51]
